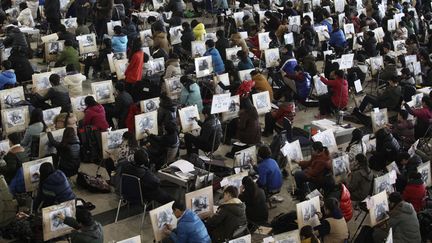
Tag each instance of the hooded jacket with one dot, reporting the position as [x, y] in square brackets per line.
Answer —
[190, 229]
[74, 83]
[54, 189]
[229, 216]
[95, 116]
[85, 234]
[415, 193]
[70, 156]
[316, 167]
[199, 31]
[191, 96]
[119, 43]
[403, 220]
[7, 77]
[25, 18]
[218, 64]
[360, 183]
[337, 39]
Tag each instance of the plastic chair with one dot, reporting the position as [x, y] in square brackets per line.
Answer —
[129, 186]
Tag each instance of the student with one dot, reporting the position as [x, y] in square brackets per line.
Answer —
[307, 235]
[25, 16]
[69, 55]
[210, 134]
[333, 227]
[218, 64]
[339, 97]
[403, 129]
[261, 83]
[73, 80]
[58, 94]
[407, 165]
[229, 216]
[172, 67]
[198, 29]
[87, 230]
[36, 126]
[134, 70]
[387, 148]
[165, 147]
[7, 76]
[402, 220]
[21, 65]
[415, 191]
[101, 60]
[187, 37]
[286, 110]
[54, 188]
[14, 158]
[270, 176]
[68, 151]
[423, 115]
[82, 28]
[150, 183]
[123, 100]
[245, 62]
[337, 38]
[189, 228]
[8, 205]
[302, 81]
[248, 129]
[389, 99]
[356, 146]
[255, 200]
[190, 93]
[360, 179]
[119, 40]
[94, 114]
[222, 43]
[369, 44]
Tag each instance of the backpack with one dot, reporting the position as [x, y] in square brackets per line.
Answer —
[93, 183]
[425, 221]
[284, 222]
[89, 144]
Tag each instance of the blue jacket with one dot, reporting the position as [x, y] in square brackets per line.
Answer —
[270, 176]
[218, 64]
[328, 24]
[289, 65]
[7, 77]
[119, 43]
[54, 189]
[337, 39]
[245, 65]
[17, 185]
[192, 97]
[303, 85]
[190, 229]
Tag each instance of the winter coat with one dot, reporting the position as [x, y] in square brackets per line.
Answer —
[7, 77]
[403, 220]
[176, 6]
[160, 40]
[74, 83]
[405, 131]
[191, 96]
[187, 38]
[340, 91]
[345, 203]
[104, 9]
[256, 206]
[221, 45]
[8, 205]
[199, 31]
[172, 68]
[190, 229]
[25, 18]
[85, 234]
[70, 157]
[149, 181]
[119, 43]
[52, 9]
[286, 110]
[245, 64]
[14, 159]
[121, 107]
[59, 96]
[237, 39]
[53, 190]
[415, 193]
[218, 64]
[370, 46]
[69, 55]
[262, 85]
[15, 38]
[337, 39]
[391, 97]
[134, 69]
[270, 176]
[229, 216]
[17, 184]
[360, 183]
[317, 166]
[33, 130]
[59, 120]
[289, 65]
[21, 65]
[248, 127]
[95, 116]
[167, 112]
[211, 129]
[303, 84]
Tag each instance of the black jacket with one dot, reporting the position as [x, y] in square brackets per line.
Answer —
[369, 46]
[175, 6]
[59, 96]
[210, 127]
[187, 38]
[21, 65]
[166, 112]
[15, 38]
[149, 181]
[121, 107]
[256, 206]
[221, 45]
[70, 157]
[52, 9]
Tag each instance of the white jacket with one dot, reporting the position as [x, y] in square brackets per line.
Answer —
[74, 83]
[25, 18]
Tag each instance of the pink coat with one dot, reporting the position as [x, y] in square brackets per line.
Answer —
[95, 116]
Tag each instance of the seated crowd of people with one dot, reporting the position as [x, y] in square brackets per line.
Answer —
[390, 46]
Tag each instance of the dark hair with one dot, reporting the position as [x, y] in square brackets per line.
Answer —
[395, 197]
[318, 146]
[80, 21]
[14, 138]
[206, 110]
[178, 205]
[120, 86]
[141, 157]
[402, 156]
[250, 188]
[242, 55]
[107, 42]
[90, 101]
[23, 5]
[404, 114]
[7, 64]
[69, 135]
[210, 43]
[136, 46]
[117, 30]
[264, 152]
[151, 19]
[232, 191]
[415, 176]
[307, 232]
[356, 138]
[339, 73]
[54, 79]
[186, 25]
[220, 33]
[62, 28]
[194, 23]
[70, 68]
[332, 204]
[83, 216]
[187, 82]
[68, 42]
[45, 170]
[36, 116]
[362, 160]
[130, 138]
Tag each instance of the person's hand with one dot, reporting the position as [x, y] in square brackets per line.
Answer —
[21, 215]
[319, 214]
[167, 229]
[61, 216]
[48, 130]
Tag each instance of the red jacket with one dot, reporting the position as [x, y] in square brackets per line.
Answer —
[345, 203]
[95, 116]
[340, 91]
[415, 194]
[285, 110]
[134, 69]
[316, 167]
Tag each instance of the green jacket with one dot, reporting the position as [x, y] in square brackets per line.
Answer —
[86, 234]
[69, 55]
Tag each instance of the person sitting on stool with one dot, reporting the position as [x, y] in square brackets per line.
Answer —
[270, 176]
